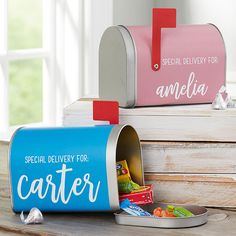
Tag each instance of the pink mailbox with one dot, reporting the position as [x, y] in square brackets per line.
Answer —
[163, 64]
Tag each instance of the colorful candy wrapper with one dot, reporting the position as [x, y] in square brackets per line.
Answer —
[122, 171]
[142, 197]
[133, 209]
[128, 187]
[179, 211]
[125, 183]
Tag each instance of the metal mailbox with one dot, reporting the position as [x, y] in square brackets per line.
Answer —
[71, 169]
[161, 65]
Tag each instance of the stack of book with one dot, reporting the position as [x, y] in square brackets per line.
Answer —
[189, 152]
[80, 113]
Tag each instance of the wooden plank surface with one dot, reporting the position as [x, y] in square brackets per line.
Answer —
[174, 179]
[104, 224]
[170, 123]
[208, 190]
[189, 157]
[4, 157]
[101, 224]
[176, 128]
[203, 110]
[178, 110]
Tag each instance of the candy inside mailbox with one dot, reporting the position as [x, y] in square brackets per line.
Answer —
[72, 169]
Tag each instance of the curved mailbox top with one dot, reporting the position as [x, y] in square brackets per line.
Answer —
[65, 169]
[192, 67]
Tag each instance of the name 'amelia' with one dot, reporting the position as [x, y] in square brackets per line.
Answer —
[190, 89]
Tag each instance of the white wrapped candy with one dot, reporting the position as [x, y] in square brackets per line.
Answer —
[35, 217]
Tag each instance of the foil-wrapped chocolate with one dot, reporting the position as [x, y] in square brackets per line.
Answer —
[223, 100]
[219, 103]
[34, 217]
[230, 102]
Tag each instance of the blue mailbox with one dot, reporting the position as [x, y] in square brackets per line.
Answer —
[71, 169]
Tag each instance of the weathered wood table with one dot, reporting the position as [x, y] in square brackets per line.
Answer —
[99, 223]
[94, 223]
[189, 151]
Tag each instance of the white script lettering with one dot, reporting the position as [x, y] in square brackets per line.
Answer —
[78, 187]
[177, 90]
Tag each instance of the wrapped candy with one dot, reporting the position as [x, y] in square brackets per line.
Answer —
[219, 103]
[128, 189]
[34, 217]
[133, 209]
[223, 100]
[172, 211]
[125, 183]
[179, 211]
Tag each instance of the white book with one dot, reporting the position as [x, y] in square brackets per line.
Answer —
[80, 113]
[168, 123]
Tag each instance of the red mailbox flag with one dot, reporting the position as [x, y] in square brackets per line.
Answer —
[161, 18]
[106, 111]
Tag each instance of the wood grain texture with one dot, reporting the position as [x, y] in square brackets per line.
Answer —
[203, 110]
[189, 157]
[171, 123]
[4, 158]
[178, 110]
[185, 128]
[104, 224]
[207, 190]
[101, 224]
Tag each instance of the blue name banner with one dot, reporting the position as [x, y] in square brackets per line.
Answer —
[60, 169]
